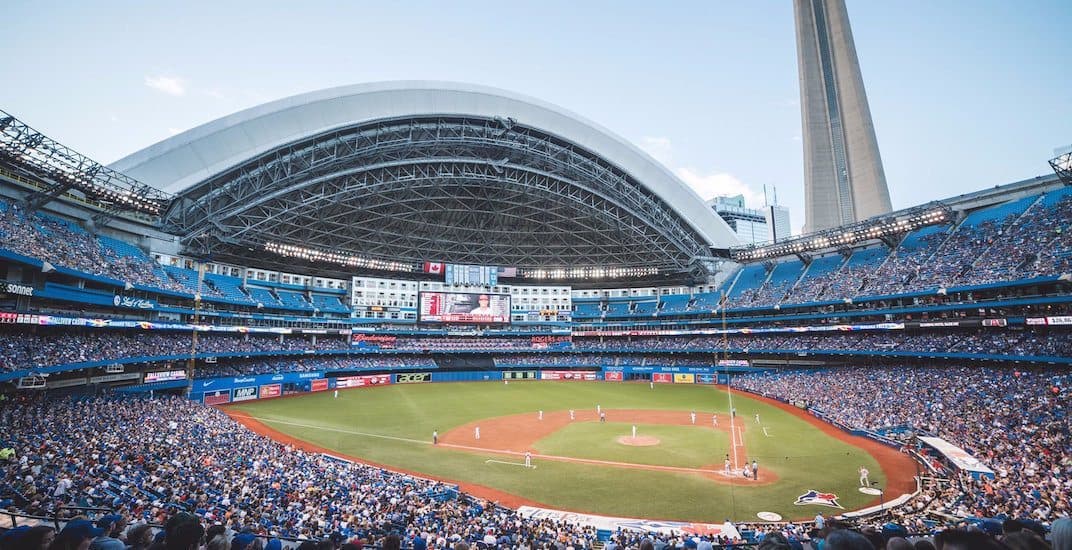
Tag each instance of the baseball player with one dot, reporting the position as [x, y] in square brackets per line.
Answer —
[692, 415]
[757, 418]
[726, 465]
[714, 420]
[336, 394]
[476, 432]
[599, 410]
[755, 470]
[528, 459]
[571, 415]
[603, 417]
[435, 437]
[634, 431]
[651, 384]
[864, 481]
[541, 414]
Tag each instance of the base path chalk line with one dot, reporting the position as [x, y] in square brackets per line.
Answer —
[522, 464]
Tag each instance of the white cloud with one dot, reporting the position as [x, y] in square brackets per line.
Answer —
[709, 186]
[659, 148]
[168, 84]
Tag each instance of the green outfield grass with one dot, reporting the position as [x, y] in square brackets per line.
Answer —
[393, 425]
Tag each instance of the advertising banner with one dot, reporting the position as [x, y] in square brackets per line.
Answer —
[271, 390]
[413, 377]
[362, 381]
[247, 393]
[705, 379]
[612, 376]
[662, 377]
[217, 397]
[382, 341]
[165, 376]
[318, 385]
[568, 375]
[684, 378]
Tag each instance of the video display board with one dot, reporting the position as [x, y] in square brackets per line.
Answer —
[462, 307]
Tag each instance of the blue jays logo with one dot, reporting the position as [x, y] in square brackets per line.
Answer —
[816, 497]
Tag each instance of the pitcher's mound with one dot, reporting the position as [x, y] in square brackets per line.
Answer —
[639, 441]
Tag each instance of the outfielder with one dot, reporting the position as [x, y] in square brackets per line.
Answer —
[541, 414]
[336, 394]
[435, 437]
[634, 431]
[757, 418]
[714, 420]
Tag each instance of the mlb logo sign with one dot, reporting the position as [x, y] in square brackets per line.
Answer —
[818, 498]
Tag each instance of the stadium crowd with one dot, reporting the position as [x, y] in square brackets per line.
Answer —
[153, 457]
[64, 244]
[22, 350]
[1015, 421]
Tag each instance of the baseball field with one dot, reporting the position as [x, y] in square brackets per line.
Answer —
[674, 469]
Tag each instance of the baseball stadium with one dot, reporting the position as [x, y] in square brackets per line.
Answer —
[421, 314]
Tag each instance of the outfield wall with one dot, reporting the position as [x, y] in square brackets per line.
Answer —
[233, 389]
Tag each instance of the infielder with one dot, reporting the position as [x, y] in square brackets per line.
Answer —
[692, 415]
[714, 420]
[476, 432]
[571, 414]
[864, 481]
[603, 417]
[435, 437]
[634, 431]
[528, 459]
[726, 465]
[599, 410]
[541, 414]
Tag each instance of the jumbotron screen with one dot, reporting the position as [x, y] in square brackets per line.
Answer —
[464, 307]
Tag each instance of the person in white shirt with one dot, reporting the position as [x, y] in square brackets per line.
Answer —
[476, 432]
[864, 481]
[571, 414]
[528, 459]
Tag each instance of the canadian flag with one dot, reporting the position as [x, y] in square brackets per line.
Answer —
[433, 267]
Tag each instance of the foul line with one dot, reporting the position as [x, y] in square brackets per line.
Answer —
[327, 429]
[493, 461]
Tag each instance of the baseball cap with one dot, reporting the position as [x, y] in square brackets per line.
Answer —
[80, 529]
[242, 540]
[107, 522]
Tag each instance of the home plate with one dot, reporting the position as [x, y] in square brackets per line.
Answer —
[769, 516]
[870, 491]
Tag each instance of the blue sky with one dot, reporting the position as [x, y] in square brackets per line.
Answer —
[964, 94]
